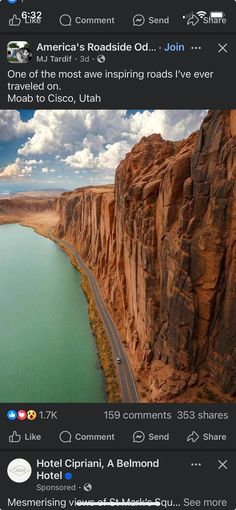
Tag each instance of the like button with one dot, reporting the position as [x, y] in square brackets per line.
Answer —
[15, 438]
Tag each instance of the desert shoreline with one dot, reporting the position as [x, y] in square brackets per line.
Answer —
[41, 214]
[106, 358]
[112, 387]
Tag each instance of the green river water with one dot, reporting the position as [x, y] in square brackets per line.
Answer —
[47, 349]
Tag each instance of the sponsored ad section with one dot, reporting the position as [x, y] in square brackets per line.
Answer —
[117, 479]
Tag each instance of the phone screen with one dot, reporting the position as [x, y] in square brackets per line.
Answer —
[117, 254]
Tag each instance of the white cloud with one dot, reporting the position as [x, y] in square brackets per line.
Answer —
[113, 154]
[46, 170]
[100, 138]
[59, 130]
[11, 125]
[23, 167]
[19, 168]
[34, 162]
[81, 159]
[89, 139]
[108, 158]
[171, 124]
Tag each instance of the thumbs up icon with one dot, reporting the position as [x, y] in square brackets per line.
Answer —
[14, 21]
[15, 437]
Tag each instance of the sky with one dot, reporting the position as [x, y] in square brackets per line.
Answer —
[42, 149]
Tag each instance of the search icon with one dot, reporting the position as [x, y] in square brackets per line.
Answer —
[65, 436]
[65, 20]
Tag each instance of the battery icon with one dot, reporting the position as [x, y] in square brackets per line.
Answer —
[216, 14]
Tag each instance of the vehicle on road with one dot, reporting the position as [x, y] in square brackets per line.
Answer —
[118, 361]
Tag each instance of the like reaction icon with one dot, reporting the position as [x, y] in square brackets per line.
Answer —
[12, 415]
[15, 437]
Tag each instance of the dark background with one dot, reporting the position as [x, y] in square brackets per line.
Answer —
[216, 93]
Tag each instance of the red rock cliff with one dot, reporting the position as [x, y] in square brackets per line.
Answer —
[163, 247]
[87, 221]
[21, 206]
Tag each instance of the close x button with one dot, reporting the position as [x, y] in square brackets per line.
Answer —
[223, 48]
[223, 464]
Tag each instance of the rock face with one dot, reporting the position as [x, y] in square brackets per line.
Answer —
[18, 207]
[162, 244]
[87, 221]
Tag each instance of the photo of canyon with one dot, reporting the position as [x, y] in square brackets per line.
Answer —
[118, 256]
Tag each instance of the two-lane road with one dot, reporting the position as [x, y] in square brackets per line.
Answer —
[127, 382]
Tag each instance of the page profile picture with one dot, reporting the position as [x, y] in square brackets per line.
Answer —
[19, 470]
[19, 52]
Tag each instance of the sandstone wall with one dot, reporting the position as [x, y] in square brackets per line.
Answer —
[19, 207]
[162, 245]
[87, 221]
